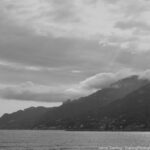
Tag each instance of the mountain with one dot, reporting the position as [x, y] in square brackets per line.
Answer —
[122, 106]
[130, 113]
[22, 119]
[89, 106]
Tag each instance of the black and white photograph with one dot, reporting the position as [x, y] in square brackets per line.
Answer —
[74, 74]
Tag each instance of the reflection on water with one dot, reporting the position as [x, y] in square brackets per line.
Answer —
[64, 140]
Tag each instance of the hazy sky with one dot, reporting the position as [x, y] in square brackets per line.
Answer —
[53, 50]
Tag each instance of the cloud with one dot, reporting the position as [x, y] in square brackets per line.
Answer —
[100, 81]
[16, 66]
[133, 24]
[104, 80]
[43, 17]
[78, 19]
[130, 59]
[30, 91]
[61, 43]
[63, 11]
[145, 74]
[33, 92]
[112, 1]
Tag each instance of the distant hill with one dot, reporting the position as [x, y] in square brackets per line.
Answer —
[124, 105]
[22, 119]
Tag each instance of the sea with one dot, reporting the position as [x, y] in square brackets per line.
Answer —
[73, 140]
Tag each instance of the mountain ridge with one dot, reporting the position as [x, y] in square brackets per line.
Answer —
[99, 111]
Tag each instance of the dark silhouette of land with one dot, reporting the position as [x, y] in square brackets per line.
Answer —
[124, 106]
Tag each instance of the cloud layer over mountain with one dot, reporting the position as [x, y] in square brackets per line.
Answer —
[70, 48]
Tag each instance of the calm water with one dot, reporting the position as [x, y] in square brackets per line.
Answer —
[63, 140]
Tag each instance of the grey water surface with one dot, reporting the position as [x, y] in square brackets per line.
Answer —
[72, 140]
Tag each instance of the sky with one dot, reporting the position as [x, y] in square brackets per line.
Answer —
[54, 50]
